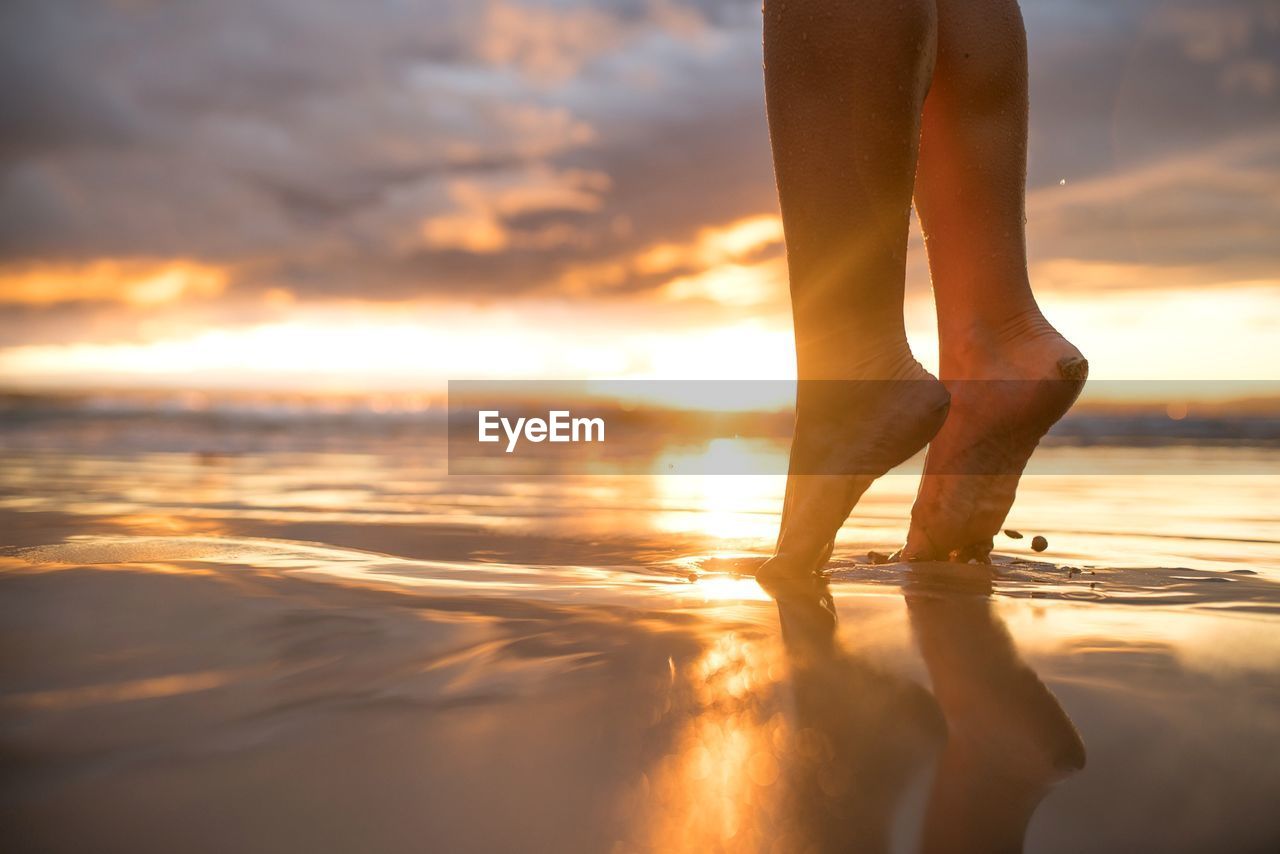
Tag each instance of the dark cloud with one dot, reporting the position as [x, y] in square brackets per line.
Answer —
[480, 149]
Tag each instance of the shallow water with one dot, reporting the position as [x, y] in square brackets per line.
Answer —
[282, 648]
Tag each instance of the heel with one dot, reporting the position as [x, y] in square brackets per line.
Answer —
[1073, 368]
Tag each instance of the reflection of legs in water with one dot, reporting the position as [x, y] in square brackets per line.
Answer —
[860, 734]
[1008, 739]
[970, 194]
[845, 84]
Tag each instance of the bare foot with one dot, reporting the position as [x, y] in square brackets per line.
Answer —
[847, 434]
[1006, 392]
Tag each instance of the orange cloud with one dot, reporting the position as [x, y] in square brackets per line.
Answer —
[721, 264]
[477, 223]
[713, 245]
[132, 282]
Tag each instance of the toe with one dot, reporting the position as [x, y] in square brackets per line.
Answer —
[919, 546]
[979, 552]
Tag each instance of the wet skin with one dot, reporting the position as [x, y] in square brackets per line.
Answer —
[870, 106]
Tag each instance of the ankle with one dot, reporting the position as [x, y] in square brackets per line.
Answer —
[971, 345]
[883, 360]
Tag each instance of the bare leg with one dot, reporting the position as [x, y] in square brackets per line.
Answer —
[845, 83]
[1010, 374]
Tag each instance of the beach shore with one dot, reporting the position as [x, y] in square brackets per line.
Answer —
[281, 651]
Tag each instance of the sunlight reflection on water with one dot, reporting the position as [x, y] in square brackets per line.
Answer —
[588, 661]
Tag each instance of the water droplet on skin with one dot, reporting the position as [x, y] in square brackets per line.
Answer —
[1062, 183]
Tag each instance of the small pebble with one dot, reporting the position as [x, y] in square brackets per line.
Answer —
[1012, 534]
[1039, 543]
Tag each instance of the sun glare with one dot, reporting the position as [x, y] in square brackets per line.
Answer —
[416, 347]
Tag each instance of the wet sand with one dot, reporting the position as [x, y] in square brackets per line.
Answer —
[279, 651]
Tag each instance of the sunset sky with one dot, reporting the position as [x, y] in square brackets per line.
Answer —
[327, 195]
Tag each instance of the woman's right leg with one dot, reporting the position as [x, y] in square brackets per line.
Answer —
[845, 82]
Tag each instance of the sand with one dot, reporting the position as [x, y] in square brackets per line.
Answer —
[283, 651]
